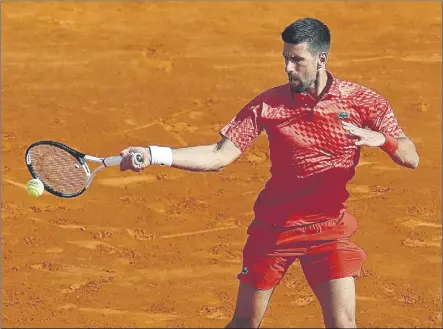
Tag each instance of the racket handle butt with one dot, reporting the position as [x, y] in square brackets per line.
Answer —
[138, 158]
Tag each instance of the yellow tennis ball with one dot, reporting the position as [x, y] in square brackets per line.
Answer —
[35, 187]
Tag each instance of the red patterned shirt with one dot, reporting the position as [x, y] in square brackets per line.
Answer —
[312, 156]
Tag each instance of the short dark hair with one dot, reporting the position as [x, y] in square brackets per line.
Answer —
[309, 30]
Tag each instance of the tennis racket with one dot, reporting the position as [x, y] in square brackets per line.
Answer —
[63, 170]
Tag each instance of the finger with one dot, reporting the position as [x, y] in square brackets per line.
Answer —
[348, 124]
[126, 163]
[133, 149]
[352, 133]
[354, 128]
[123, 164]
[124, 152]
[349, 127]
[360, 142]
[355, 133]
[350, 136]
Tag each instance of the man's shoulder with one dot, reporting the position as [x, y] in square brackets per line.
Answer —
[356, 92]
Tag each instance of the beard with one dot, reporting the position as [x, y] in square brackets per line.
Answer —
[299, 85]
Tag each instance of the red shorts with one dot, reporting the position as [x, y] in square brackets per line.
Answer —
[324, 250]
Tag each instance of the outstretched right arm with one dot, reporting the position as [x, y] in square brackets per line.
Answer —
[237, 136]
[202, 158]
[206, 158]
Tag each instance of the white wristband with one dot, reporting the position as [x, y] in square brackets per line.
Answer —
[161, 155]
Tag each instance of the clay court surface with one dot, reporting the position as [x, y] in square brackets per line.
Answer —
[162, 248]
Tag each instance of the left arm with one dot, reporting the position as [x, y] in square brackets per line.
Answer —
[406, 155]
[401, 150]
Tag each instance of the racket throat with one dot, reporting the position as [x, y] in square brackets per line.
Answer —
[91, 175]
[88, 175]
[86, 168]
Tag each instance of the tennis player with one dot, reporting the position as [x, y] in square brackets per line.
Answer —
[316, 125]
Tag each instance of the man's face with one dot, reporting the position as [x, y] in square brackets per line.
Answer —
[300, 66]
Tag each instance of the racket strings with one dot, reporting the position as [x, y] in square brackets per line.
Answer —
[58, 169]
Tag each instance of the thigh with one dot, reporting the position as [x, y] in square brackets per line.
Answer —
[261, 272]
[334, 260]
[251, 306]
[337, 300]
[263, 268]
[334, 256]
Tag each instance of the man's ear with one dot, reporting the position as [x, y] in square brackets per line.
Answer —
[322, 60]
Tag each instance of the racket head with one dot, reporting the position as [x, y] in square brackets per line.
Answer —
[62, 170]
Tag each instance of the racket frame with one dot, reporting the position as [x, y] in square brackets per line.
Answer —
[80, 157]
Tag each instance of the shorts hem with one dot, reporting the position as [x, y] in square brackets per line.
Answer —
[353, 273]
[258, 286]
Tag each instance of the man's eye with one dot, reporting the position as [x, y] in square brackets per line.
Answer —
[294, 59]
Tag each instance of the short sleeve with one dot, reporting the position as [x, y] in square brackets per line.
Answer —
[246, 126]
[380, 117]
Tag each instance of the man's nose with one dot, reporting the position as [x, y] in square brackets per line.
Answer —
[289, 67]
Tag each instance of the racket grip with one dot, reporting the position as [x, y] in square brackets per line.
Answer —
[115, 161]
[112, 161]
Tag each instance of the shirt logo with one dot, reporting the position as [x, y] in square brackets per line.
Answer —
[244, 270]
[344, 115]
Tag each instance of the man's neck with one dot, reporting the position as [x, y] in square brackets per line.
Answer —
[321, 82]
